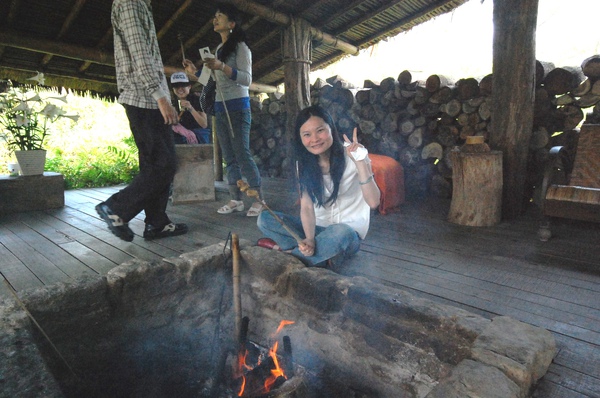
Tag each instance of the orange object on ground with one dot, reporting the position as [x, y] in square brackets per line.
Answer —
[389, 176]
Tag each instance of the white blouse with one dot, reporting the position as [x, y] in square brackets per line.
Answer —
[350, 207]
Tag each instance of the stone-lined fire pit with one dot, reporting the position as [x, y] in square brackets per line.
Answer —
[156, 329]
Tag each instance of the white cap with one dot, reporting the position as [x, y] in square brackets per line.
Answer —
[179, 79]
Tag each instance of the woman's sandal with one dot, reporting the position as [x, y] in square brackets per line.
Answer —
[233, 205]
[255, 210]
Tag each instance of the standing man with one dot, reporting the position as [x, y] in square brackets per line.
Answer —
[144, 93]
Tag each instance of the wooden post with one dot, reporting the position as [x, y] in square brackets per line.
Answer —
[477, 188]
[296, 58]
[513, 94]
[237, 295]
[217, 156]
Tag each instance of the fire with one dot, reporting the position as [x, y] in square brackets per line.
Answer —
[276, 371]
[239, 371]
[281, 326]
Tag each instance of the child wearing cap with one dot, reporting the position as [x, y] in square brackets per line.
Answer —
[193, 125]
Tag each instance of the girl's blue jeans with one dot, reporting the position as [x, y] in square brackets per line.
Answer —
[236, 148]
[337, 241]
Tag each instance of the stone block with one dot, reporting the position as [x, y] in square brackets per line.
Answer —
[194, 180]
[523, 352]
[31, 193]
[472, 379]
[319, 288]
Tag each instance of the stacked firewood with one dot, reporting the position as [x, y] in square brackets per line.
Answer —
[267, 135]
[419, 122]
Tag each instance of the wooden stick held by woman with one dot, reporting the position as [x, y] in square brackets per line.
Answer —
[244, 187]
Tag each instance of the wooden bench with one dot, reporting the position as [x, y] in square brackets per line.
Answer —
[571, 188]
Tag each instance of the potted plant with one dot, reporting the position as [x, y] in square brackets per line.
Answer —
[25, 119]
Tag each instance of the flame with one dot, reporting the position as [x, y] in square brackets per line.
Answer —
[241, 393]
[281, 326]
[276, 372]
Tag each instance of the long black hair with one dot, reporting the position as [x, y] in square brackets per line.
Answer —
[236, 36]
[310, 175]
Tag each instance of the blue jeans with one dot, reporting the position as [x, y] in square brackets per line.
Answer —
[236, 148]
[337, 241]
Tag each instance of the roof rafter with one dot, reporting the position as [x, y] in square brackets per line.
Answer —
[66, 25]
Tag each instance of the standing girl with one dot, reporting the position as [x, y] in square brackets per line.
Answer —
[337, 193]
[233, 74]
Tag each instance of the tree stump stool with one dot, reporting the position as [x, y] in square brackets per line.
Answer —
[477, 188]
[195, 179]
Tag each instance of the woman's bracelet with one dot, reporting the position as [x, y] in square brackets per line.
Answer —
[223, 66]
[368, 180]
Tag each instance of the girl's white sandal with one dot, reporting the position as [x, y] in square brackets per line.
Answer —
[255, 210]
[233, 205]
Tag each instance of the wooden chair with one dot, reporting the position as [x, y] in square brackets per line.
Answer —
[572, 192]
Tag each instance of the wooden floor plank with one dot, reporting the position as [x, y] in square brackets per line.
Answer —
[16, 273]
[500, 270]
[138, 248]
[34, 260]
[550, 389]
[66, 261]
[569, 380]
[462, 292]
[60, 221]
[577, 304]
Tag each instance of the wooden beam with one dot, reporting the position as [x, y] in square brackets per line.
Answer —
[396, 25]
[254, 87]
[513, 79]
[107, 36]
[108, 81]
[65, 50]
[176, 56]
[284, 20]
[12, 12]
[180, 11]
[66, 25]
[341, 11]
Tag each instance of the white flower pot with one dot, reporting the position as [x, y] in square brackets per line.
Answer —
[31, 162]
[13, 168]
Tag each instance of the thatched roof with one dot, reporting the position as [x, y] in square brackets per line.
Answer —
[70, 41]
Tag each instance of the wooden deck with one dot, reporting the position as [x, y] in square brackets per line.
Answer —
[502, 270]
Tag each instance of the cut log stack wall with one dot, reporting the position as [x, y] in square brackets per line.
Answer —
[419, 122]
[268, 143]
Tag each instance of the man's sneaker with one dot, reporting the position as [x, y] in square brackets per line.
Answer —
[171, 229]
[114, 222]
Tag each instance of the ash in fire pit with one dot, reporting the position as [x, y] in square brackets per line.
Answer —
[159, 330]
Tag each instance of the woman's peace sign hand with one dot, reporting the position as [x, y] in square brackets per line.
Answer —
[356, 151]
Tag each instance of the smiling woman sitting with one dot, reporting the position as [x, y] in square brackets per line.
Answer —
[337, 194]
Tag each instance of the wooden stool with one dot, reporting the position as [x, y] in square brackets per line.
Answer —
[389, 176]
[194, 180]
[476, 188]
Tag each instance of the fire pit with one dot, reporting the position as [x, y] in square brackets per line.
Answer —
[165, 329]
